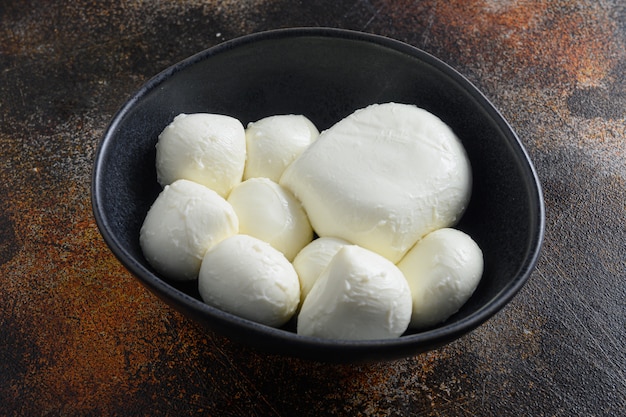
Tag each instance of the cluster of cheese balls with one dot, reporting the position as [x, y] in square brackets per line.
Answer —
[276, 220]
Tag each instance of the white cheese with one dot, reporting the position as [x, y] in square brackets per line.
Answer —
[247, 277]
[209, 149]
[313, 259]
[443, 270]
[359, 296]
[382, 178]
[275, 142]
[185, 221]
[271, 213]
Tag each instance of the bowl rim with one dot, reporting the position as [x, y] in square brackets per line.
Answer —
[284, 341]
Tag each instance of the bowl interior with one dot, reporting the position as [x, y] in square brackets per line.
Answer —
[324, 74]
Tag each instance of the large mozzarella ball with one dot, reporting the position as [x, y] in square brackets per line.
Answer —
[359, 296]
[382, 178]
[185, 221]
[271, 213]
[249, 278]
[443, 270]
[275, 142]
[209, 149]
[313, 259]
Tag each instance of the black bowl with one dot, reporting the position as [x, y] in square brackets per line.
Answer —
[324, 74]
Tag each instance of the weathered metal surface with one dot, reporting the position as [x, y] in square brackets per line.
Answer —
[79, 335]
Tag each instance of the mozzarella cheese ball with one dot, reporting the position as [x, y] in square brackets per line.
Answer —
[209, 149]
[382, 178]
[247, 277]
[313, 259]
[443, 270]
[359, 296]
[185, 221]
[275, 142]
[271, 213]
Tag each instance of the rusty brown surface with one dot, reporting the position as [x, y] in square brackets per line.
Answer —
[80, 336]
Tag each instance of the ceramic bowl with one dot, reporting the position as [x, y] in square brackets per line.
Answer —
[324, 74]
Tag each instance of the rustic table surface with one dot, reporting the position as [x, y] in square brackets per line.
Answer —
[80, 336]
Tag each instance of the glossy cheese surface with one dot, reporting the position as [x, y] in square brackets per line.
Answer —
[249, 278]
[209, 149]
[313, 259]
[382, 178]
[360, 295]
[274, 142]
[442, 270]
[185, 221]
[271, 213]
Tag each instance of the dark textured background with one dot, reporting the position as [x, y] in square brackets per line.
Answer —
[80, 336]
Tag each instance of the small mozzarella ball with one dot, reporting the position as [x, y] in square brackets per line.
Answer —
[313, 259]
[271, 213]
[275, 142]
[443, 270]
[209, 149]
[185, 221]
[359, 296]
[247, 277]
